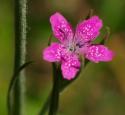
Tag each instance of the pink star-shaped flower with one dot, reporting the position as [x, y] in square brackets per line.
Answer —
[73, 44]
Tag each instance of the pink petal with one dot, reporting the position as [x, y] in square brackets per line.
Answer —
[52, 53]
[89, 29]
[98, 53]
[70, 66]
[61, 28]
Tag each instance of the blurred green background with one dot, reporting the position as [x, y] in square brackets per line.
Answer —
[100, 89]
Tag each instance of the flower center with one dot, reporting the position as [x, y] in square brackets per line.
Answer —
[72, 48]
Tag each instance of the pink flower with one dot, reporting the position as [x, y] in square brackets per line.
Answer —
[73, 44]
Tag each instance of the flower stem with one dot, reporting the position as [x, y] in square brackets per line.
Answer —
[17, 95]
[54, 102]
[62, 84]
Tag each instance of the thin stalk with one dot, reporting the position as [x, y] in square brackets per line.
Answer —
[45, 106]
[54, 102]
[62, 84]
[17, 95]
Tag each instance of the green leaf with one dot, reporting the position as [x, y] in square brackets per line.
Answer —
[45, 106]
[13, 81]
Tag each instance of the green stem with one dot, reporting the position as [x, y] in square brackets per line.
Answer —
[54, 102]
[17, 95]
[62, 84]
